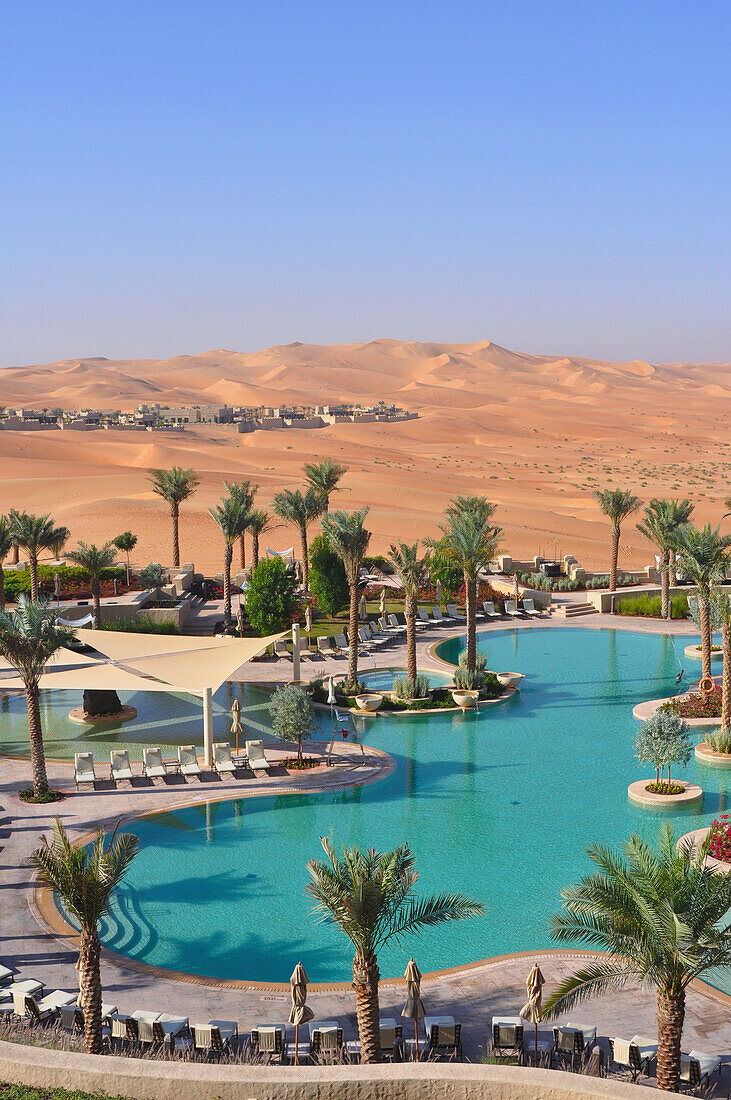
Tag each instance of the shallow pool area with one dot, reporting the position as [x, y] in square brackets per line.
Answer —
[498, 804]
[381, 679]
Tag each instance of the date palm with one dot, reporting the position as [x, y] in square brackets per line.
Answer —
[126, 543]
[662, 520]
[369, 895]
[6, 545]
[259, 522]
[300, 509]
[85, 878]
[703, 556]
[412, 572]
[95, 560]
[721, 603]
[231, 515]
[29, 637]
[470, 541]
[174, 486]
[659, 916]
[349, 539]
[617, 505]
[324, 477]
[34, 534]
[244, 492]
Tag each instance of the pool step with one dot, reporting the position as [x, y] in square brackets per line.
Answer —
[571, 610]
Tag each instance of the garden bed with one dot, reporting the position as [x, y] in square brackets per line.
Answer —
[696, 705]
[720, 842]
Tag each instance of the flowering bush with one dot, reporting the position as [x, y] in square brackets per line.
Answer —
[665, 788]
[696, 706]
[720, 845]
[291, 763]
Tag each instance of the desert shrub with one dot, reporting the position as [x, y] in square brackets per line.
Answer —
[406, 689]
[271, 599]
[328, 583]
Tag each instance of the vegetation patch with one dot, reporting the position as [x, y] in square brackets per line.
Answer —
[696, 706]
[27, 795]
[719, 845]
[292, 764]
[26, 1092]
[665, 788]
[649, 606]
[142, 626]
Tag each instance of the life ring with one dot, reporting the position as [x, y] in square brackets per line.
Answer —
[707, 684]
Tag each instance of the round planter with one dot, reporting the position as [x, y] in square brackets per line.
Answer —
[695, 839]
[466, 700]
[642, 711]
[638, 793]
[710, 758]
[694, 653]
[510, 679]
[369, 703]
[78, 714]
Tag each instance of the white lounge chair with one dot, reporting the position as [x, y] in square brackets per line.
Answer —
[396, 625]
[268, 1039]
[422, 618]
[387, 629]
[152, 764]
[281, 651]
[507, 1036]
[391, 1038]
[696, 1067]
[375, 637]
[222, 761]
[188, 760]
[25, 1004]
[257, 760]
[84, 768]
[633, 1054]
[529, 606]
[119, 761]
[29, 986]
[490, 612]
[440, 617]
[513, 611]
[376, 632]
[455, 614]
[216, 1035]
[341, 643]
[325, 646]
[6, 974]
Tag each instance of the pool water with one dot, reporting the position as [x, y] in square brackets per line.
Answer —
[498, 804]
[381, 679]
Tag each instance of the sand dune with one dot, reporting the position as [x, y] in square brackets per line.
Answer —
[536, 433]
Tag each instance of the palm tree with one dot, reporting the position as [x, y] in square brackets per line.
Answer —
[6, 545]
[413, 572]
[470, 541]
[174, 486]
[231, 516]
[94, 559]
[702, 556]
[86, 878]
[61, 537]
[324, 478]
[616, 504]
[369, 895]
[721, 601]
[349, 539]
[299, 509]
[659, 916]
[14, 549]
[29, 638]
[34, 534]
[244, 492]
[126, 543]
[661, 522]
[259, 522]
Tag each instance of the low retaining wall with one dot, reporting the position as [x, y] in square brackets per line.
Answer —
[148, 1079]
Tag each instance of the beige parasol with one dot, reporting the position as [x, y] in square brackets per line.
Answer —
[532, 1010]
[308, 622]
[240, 621]
[414, 1007]
[516, 591]
[301, 1012]
[236, 721]
[438, 591]
[383, 601]
[363, 607]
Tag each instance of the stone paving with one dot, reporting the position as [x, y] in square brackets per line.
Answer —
[472, 994]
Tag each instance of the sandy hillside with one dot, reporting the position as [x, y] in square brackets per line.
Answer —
[535, 433]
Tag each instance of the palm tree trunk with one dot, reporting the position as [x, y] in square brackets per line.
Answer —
[665, 585]
[128, 568]
[96, 603]
[91, 990]
[33, 561]
[705, 617]
[242, 551]
[2, 588]
[254, 550]
[410, 615]
[614, 560]
[353, 654]
[227, 559]
[15, 556]
[470, 599]
[726, 681]
[305, 563]
[365, 980]
[175, 513]
[670, 1017]
[37, 754]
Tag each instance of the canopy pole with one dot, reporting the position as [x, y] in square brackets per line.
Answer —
[208, 727]
[296, 652]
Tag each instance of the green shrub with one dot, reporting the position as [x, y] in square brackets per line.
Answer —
[142, 626]
[719, 740]
[271, 599]
[468, 679]
[650, 606]
[328, 583]
[72, 578]
[407, 690]
[377, 561]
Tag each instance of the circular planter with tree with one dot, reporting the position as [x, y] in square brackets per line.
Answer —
[664, 741]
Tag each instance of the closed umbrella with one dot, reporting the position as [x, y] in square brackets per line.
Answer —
[363, 607]
[414, 1007]
[438, 591]
[516, 591]
[57, 586]
[240, 621]
[383, 601]
[301, 1012]
[236, 721]
[308, 622]
[532, 1010]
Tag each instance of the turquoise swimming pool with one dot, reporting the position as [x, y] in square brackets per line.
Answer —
[381, 679]
[498, 804]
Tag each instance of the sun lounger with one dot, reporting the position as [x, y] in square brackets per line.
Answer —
[268, 1039]
[633, 1054]
[507, 1036]
[396, 625]
[84, 768]
[422, 618]
[44, 1009]
[281, 651]
[216, 1035]
[188, 760]
[30, 986]
[572, 1040]
[6, 974]
[391, 1038]
[222, 761]
[257, 760]
[455, 614]
[376, 632]
[439, 617]
[444, 1035]
[490, 612]
[325, 646]
[152, 764]
[513, 611]
[697, 1068]
[375, 637]
[341, 643]
[72, 1017]
[119, 762]
[386, 627]
[529, 606]
[326, 1039]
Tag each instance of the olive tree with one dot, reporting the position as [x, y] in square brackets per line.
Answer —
[293, 715]
[663, 740]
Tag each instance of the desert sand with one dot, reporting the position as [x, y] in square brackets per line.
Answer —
[536, 434]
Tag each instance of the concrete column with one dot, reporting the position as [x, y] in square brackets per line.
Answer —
[295, 651]
[208, 727]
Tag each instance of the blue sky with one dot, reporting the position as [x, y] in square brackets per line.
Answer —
[552, 175]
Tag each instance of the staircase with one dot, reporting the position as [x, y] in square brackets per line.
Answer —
[573, 610]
